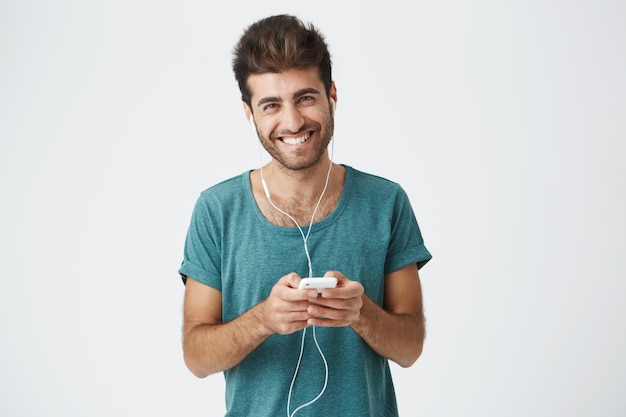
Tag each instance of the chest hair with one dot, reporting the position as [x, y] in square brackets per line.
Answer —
[300, 212]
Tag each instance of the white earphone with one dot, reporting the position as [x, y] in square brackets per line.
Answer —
[306, 250]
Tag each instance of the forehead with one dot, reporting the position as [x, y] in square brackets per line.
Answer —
[282, 85]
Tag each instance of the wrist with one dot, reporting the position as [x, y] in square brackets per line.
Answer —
[261, 322]
[368, 315]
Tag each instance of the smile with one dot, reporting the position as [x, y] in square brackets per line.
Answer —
[298, 140]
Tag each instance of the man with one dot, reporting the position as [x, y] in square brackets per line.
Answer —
[253, 238]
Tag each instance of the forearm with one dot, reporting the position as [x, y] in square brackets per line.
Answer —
[398, 337]
[212, 348]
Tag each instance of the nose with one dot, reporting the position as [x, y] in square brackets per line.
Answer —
[292, 119]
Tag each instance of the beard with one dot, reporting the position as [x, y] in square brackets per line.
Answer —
[297, 160]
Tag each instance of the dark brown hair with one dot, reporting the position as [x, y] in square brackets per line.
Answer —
[276, 44]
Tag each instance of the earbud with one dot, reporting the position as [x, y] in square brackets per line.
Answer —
[332, 105]
[251, 120]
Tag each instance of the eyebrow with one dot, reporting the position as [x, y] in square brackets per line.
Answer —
[296, 95]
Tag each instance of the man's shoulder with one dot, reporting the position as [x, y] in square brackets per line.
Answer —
[362, 179]
[228, 188]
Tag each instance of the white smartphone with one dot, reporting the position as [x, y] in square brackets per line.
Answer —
[318, 283]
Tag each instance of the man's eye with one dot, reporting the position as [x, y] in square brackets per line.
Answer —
[270, 106]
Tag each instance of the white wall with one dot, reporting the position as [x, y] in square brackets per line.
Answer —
[504, 120]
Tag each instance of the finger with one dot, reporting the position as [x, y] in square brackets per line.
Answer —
[295, 306]
[287, 288]
[341, 314]
[288, 321]
[334, 304]
[336, 274]
[290, 280]
[327, 322]
[295, 316]
[342, 282]
[293, 280]
[354, 290]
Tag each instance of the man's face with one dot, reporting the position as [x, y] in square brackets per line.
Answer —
[293, 116]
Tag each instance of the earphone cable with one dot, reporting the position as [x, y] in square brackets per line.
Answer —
[305, 238]
[293, 380]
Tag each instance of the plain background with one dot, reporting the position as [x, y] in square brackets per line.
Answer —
[505, 121]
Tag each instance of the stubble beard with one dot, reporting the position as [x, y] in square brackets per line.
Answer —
[297, 163]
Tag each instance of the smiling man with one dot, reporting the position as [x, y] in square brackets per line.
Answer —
[253, 238]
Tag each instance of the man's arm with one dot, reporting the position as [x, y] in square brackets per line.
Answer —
[210, 346]
[396, 331]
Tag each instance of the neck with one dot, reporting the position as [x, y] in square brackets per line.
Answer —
[297, 195]
[304, 185]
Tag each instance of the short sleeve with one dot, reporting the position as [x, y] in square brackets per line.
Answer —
[407, 244]
[201, 256]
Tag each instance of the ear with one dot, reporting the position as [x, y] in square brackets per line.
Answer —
[333, 92]
[248, 113]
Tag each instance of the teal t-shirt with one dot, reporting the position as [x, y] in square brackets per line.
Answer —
[232, 247]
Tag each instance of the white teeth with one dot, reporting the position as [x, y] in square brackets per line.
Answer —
[296, 141]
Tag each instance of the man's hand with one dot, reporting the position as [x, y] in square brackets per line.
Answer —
[335, 307]
[285, 310]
